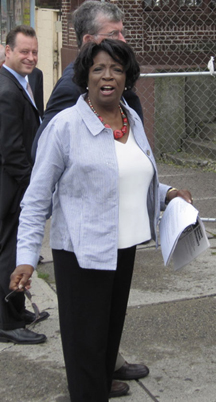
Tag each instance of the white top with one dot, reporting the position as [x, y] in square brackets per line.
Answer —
[135, 174]
[76, 157]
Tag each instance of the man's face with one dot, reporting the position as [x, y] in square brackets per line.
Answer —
[23, 58]
[110, 30]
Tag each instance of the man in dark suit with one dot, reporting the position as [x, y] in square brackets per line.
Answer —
[94, 21]
[19, 121]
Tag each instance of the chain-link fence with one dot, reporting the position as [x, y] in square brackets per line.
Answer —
[174, 41]
[180, 115]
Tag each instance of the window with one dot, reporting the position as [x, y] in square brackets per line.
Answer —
[190, 2]
[178, 3]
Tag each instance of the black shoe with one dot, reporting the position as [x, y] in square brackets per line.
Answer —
[118, 389]
[21, 336]
[131, 372]
[29, 317]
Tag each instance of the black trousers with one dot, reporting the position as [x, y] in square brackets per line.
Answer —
[92, 308]
[10, 312]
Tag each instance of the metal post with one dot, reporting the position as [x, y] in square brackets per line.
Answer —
[178, 74]
[32, 13]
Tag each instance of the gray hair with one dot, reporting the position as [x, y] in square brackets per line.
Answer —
[86, 18]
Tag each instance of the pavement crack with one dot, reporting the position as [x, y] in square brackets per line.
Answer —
[7, 348]
[147, 391]
[184, 299]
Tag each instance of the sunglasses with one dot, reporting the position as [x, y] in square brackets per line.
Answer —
[29, 297]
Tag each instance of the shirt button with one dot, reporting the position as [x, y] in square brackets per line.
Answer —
[148, 152]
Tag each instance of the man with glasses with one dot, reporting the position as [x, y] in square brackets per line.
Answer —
[116, 34]
[94, 21]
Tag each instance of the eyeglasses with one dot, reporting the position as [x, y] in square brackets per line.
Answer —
[29, 297]
[114, 34]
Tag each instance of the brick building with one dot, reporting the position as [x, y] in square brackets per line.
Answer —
[165, 33]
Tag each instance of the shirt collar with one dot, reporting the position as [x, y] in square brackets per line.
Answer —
[19, 77]
[92, 121]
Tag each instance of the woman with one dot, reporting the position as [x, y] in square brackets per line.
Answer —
[96, 159]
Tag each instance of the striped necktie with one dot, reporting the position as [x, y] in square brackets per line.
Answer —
[30, 91]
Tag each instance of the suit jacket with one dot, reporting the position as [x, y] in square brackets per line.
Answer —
[36, 83]
[19, 121]
[66, 93]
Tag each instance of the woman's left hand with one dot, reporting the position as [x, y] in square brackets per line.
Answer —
[173, 192]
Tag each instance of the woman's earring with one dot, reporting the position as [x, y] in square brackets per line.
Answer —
[87, 88]
[125, 88]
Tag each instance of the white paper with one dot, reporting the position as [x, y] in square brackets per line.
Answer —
[182, 233]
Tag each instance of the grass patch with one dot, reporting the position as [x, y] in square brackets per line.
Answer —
[43, 276]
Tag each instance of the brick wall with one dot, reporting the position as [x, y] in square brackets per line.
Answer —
[133, 18]
[133, 22]
[175, 35]
[69, 47]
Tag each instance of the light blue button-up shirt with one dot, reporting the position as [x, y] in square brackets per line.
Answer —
[22, 80]
[76, 160]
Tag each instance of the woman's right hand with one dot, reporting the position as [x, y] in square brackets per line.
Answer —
[20, 277]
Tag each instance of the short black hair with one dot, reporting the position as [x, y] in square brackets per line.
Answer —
[120, 51]
[24, 29]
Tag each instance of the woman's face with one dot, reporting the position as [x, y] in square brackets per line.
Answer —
[106, 81]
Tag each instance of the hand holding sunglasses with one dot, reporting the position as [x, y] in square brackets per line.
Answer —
[20, 278]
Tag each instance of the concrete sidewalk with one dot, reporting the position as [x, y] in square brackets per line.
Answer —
[170, 325]
[170, 322]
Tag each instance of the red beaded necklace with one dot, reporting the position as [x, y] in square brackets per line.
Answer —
[117, 133]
